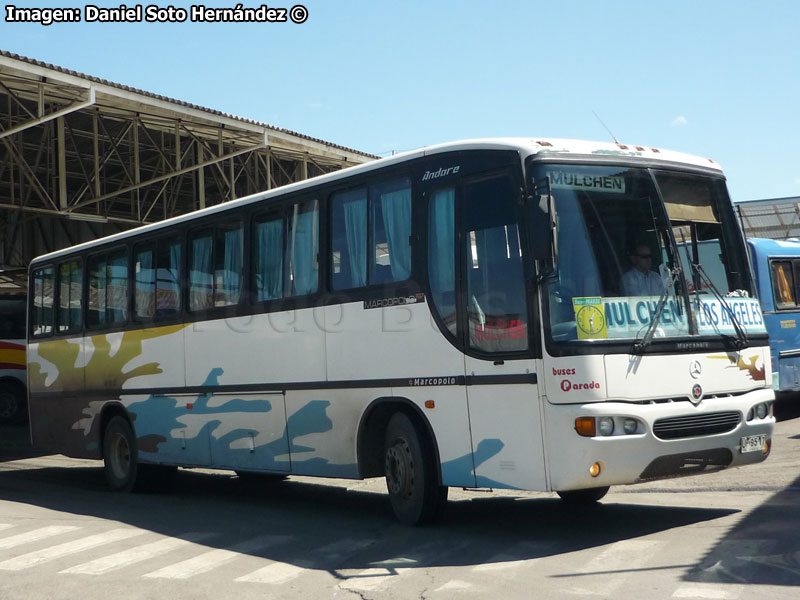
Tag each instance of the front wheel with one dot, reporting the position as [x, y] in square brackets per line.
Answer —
[414, 491]
[587, 496]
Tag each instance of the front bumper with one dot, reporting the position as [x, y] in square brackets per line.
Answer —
[625, 459]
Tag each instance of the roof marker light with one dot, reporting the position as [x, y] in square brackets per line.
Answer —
[655, 150]
[622, 146]
[548, 144]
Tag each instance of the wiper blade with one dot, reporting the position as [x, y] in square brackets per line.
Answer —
[639, 346]
[741, 335]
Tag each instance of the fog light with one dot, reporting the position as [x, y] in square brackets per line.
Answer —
[595, 469]
[605, 425]
[761, 410]
[630, 426]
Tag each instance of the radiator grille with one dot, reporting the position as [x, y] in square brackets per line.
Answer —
[674, 428]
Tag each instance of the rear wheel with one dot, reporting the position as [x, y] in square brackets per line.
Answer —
[414, 491]
[124, 472]
[587, 496]
[119, 455]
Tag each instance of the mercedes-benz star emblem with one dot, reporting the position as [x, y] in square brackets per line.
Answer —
[695, 369]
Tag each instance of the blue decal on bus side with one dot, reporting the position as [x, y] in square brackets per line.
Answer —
[461, 471]
[157, 416]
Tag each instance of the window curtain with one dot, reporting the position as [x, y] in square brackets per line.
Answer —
[355, 221]
[303, 256]
[168, 289]
[232, 267]
[75, 295]
[396, 209]
[100, 277]
[172, 298]
[784, 289]
[117, 302]
[441, 251]
[145, 284]
[269, 260]
[201, 288]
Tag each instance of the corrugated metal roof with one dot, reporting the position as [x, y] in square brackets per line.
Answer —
[775, 218]
[146, 94]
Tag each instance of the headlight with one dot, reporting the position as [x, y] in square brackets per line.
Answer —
[630, 426]
[761, 411]
[605, 425]
[751, 414]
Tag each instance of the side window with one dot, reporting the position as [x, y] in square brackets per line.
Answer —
[371, 235]
[302, 249]
[157, 291]
[168, 277]
[108, 289]
[442, 254]
[42, 302]
[349, 251]
[70, 288]
[144, 291]
[268, 257]
[496, 307]
[12, 318]
[783, 284]
[215, 266]
[390, 223]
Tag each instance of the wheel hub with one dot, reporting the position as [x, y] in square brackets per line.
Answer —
[121, 456]
[399, 470]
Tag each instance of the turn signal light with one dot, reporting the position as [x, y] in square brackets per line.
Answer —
[767, 447]
[585, 426]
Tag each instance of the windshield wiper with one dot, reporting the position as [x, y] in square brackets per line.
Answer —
[639, 346]
[741, 335]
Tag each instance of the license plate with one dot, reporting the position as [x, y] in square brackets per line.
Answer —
[753, 443]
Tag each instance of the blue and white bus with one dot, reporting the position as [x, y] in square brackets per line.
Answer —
[451, 316]
[777, 269]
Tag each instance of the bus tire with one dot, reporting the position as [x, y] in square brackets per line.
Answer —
[12, 402]
[587, 496]
[120, 457]
[411, 479]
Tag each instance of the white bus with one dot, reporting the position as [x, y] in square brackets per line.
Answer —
[452, 316]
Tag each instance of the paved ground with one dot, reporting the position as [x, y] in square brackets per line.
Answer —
[729, 535]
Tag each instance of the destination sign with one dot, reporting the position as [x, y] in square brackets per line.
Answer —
[627, 317]
[566, 180]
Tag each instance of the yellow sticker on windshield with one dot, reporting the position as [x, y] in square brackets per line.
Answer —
[590, 318]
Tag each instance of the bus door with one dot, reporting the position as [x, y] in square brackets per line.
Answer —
[505, 418]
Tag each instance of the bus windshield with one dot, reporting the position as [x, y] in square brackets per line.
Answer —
[641, 253]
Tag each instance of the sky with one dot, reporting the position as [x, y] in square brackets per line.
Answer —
[719, 79]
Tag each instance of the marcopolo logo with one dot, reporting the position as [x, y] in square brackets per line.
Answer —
[568, 386]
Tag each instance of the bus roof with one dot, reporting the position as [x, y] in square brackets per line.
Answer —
[526, 147]
[770, 247]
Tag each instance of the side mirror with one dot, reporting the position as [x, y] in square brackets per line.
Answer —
[540, 227]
